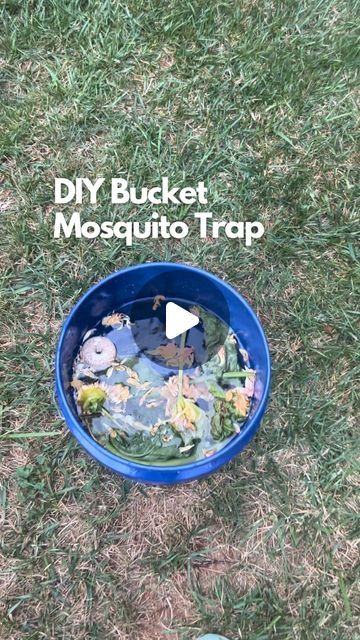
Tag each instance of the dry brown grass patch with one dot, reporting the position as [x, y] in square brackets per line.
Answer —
[13, 456]
[7, 200]
[156, 515]
[74, 532]
[159, 608]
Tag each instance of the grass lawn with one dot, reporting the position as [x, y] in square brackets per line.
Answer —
[258, 99]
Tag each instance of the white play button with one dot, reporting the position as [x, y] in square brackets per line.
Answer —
[178, 320]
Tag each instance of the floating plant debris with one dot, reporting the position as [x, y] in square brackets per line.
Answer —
[173, 355]
[159, 405]
[157, 302]
[119, 320]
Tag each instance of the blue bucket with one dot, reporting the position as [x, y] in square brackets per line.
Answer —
[121, 288]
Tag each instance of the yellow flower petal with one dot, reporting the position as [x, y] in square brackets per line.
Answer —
[91, 397]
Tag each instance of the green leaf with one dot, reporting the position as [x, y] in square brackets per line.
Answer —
[224, 420]
[161, 447]
[29, 434]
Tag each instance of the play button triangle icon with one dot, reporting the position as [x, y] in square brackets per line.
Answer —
[178, 320]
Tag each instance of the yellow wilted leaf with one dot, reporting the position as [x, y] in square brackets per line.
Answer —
[173, 355]
[116, 320]
[186, 413]
[241, 402]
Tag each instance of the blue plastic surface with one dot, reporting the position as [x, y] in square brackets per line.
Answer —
[212, 636]
[179, 281]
